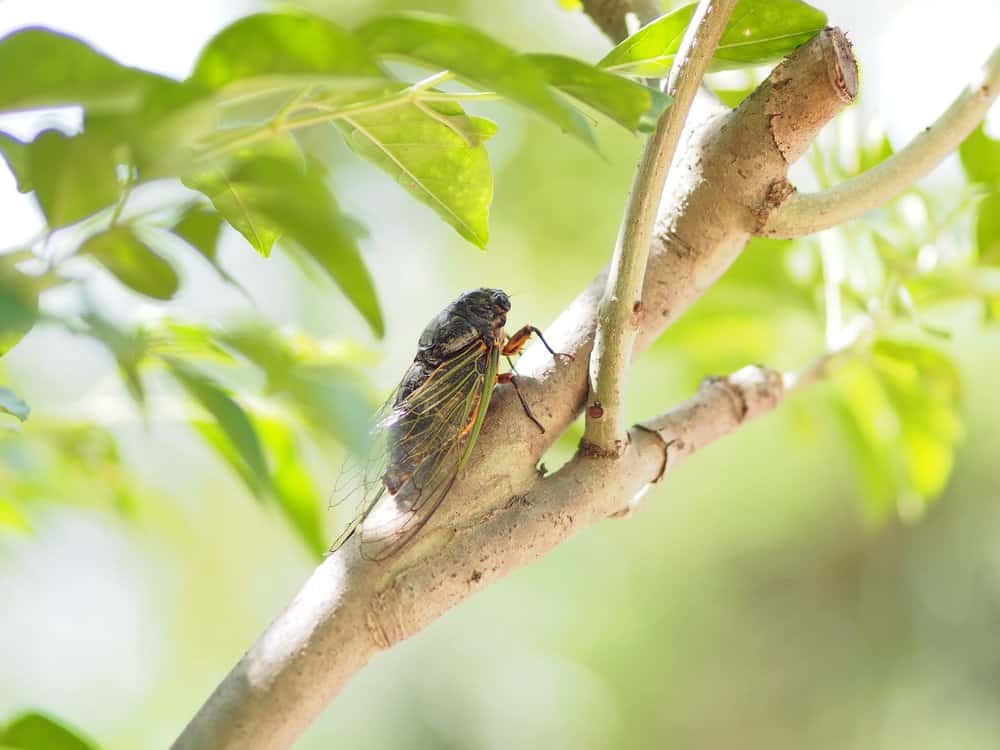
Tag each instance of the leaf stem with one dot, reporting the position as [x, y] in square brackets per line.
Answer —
[461, 96]
[284, 121]
[123, 198]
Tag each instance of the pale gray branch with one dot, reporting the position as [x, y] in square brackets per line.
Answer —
[621, 309]
[805, 213]
[500, 513]
[350, 609]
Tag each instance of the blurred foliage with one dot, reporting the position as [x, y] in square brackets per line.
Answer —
[235, 133]
[980, 156]
[232, 133]
[900, 414]
[248, 137]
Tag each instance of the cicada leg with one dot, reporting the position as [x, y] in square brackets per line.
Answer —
[510, 377]
[515, 343]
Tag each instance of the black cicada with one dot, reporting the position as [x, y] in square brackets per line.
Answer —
[423, 435]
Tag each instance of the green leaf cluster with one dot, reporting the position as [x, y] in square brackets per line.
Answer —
[894, 290]
[259, 436]
[899, 411]
[230, 132]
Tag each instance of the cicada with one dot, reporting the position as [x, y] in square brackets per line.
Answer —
[425, 432]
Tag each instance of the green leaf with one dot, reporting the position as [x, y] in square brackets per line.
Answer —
[56, 70]
[241, 445]
[73, 176]
[274, 43]
[265, 348]
[16, 154]
[232, 200]
[873, 151]
[425, 147]
[132, 262]
[13, 519]
[988, 229]
[327, 394]
[442, 42]
[35, 731]
[186, 340]
[758, 32]
[231, 197]
[980, 156]
[156, 136]
[294, 488]
[732, 98]
[18, 305]
[200, 228]
[330, 398]
[630, 104]
[901, 413]
[11, 404]
[129, 348]
[920, 369]
[299, 204]
[924, 388]
[872, 427]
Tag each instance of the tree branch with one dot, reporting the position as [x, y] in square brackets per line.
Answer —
[811, 212]
[340, 619]
[620, 310]
[500, 514]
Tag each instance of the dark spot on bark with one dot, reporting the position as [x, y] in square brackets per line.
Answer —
[635, 319]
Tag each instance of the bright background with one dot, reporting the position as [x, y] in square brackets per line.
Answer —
[752, 605]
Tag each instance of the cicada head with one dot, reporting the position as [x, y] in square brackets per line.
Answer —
[484, 308]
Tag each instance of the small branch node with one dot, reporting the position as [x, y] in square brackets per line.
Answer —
[665, 444]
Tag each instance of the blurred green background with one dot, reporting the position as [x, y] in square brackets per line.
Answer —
[760, 602]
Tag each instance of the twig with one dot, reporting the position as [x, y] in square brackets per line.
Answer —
[620, 311]
[811, 212]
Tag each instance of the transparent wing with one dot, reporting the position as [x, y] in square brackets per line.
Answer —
[419, 441]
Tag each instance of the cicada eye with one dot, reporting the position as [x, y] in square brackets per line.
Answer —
[501, 300]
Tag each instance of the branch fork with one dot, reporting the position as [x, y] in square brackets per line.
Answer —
[620, 312]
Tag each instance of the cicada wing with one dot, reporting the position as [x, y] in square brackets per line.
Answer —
[411, 508]
[360, 478]
[422, 442]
